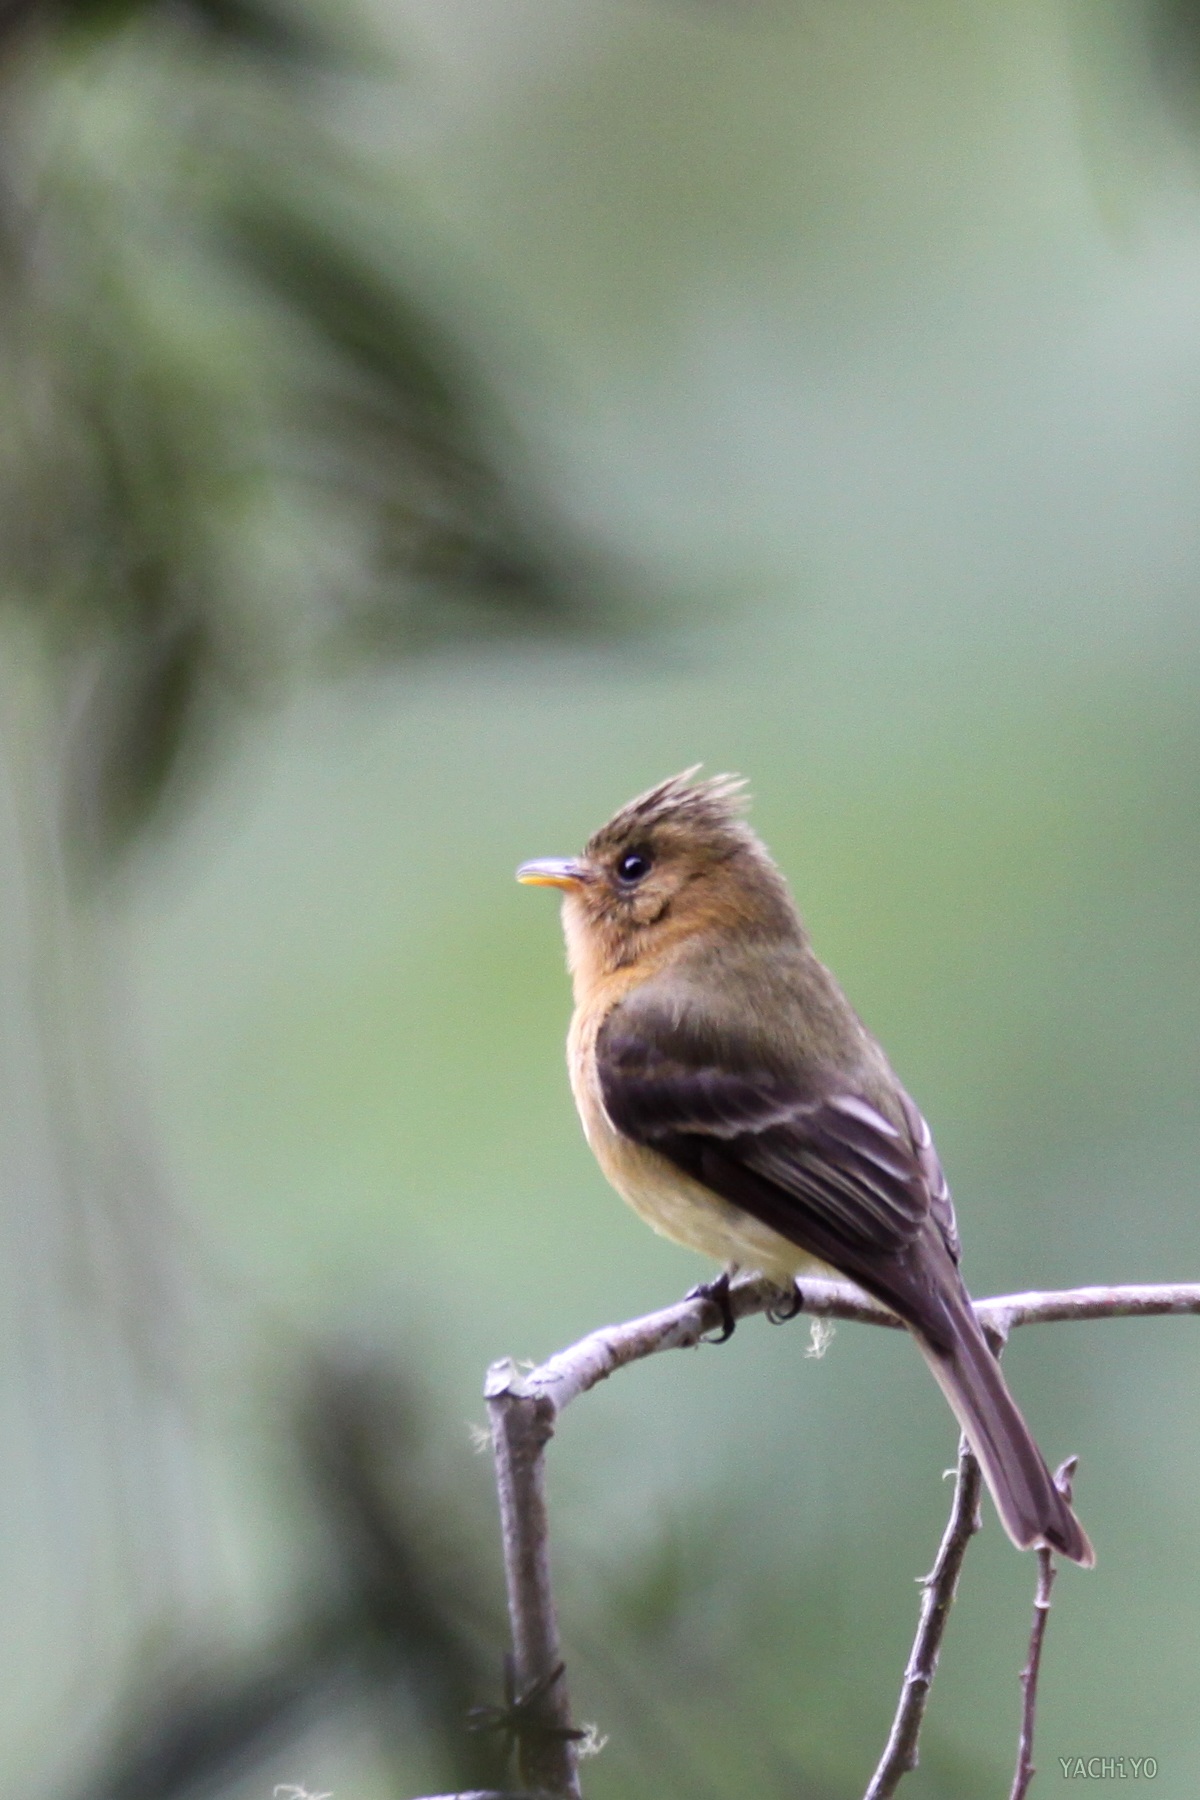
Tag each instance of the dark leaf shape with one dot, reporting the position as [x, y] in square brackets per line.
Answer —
[269, 29]
[358, 1439]
[398, 422]
[144, 706]
[389, 1621]
[194, 1730]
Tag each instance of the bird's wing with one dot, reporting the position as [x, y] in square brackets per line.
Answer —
[941, 1206]
[830, 1173]
[826, 1171]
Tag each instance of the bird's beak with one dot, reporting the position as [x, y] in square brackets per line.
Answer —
[553, 871]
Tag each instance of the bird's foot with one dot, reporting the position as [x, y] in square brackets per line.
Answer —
[717, 1293]
[786, 1309]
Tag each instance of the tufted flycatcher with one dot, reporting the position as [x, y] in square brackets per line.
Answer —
[733, 1097]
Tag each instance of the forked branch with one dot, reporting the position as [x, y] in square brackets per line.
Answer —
[524, 1406]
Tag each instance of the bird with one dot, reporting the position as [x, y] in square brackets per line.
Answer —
[735, 1100]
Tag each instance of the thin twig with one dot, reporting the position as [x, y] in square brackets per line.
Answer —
[539, 1707]
[1149, 1300]
[572, 1372]
[525, 1405]
[900, 1751]
[1047, 1570]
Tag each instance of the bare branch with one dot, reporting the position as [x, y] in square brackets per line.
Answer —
[1148, 1301]
[525, 1406]
[900, 1751]
[680, 1327]
[572, 1372]
[538, 1715]
[1047, 1570]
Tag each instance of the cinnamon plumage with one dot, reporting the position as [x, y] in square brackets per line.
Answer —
[734, 1098]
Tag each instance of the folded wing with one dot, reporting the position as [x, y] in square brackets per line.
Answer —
[831, 1173]
[828, 1172]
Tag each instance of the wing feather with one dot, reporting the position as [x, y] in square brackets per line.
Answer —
[828, 1171]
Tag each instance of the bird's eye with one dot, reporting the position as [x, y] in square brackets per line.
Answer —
[631, 868]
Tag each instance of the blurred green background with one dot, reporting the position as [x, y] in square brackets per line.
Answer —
[425, 425]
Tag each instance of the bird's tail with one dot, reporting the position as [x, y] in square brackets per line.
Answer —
[1031, 1509]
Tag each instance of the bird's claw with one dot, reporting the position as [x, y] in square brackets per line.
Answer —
[717, 1294]
[787, 1309]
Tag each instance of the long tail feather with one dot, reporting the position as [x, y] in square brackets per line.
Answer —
[1031, 1509]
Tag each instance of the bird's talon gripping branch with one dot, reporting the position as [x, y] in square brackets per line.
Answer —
[717, 1294]
[788, 1309]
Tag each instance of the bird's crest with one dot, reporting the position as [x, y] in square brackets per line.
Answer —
[714, 806]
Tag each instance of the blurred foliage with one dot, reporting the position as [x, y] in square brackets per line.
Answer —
[146, 442]
[388, 1625]
[211, 337]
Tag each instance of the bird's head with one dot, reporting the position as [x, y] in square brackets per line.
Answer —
[677, 861]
